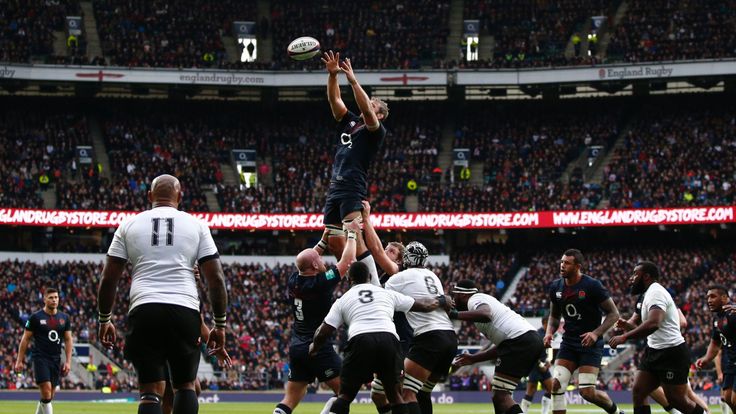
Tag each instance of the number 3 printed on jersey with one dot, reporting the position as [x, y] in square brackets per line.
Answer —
[156, 223]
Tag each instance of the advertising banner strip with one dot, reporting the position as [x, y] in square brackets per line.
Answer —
[398, 221]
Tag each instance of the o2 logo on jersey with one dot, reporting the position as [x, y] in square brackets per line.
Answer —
[54, 337]
[572, 312]
[346, 139]
[724, 341]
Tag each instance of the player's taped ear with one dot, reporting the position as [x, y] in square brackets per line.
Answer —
[563, 376]
[587, 380]
[377, 387]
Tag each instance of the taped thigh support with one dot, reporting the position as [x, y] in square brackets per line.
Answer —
[377, 387]
[412, 383]
[587, 380]
[503, 384]
[334, 231]
[563, 376]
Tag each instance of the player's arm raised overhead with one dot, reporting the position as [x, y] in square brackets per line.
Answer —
[322, 245]
[361, 98]
[332, 63]
[373, 242]
[348, 254]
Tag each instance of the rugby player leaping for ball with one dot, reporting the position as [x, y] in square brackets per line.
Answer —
[360, 139]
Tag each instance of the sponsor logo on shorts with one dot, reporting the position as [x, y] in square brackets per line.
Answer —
[329, 372]
[670, 375]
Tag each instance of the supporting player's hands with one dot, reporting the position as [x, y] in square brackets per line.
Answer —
[701, 363]
[617, 340]
[624, 325]
[347, 68]
[547, 340]
[356, 225]
[729, 308]
[366, 209]
[588, 339]
[332, 62]
[65, 369]
[216, 342]
[449, 303]
[107, 334]
[19, 366]
[462, 360]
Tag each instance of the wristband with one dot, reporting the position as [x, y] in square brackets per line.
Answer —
[442, 300]
[322, 245]
[220, 321]
[104, 317]
[453, 314]
[352, 235]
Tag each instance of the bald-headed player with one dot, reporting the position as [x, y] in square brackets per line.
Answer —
[311, 293]
[163, 244]
[360, 138]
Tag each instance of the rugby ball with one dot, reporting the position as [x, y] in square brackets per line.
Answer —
[303, 48]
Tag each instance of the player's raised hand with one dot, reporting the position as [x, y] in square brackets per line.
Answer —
[19, 366]
[729, 308]
[366, 208]
[332, 62]
[107, 334]
[347, 67]
[547, 341]
[355, 225]
[588, 339]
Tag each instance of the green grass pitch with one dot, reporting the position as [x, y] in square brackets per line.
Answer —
[11, 407]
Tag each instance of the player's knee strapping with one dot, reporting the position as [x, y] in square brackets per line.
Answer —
[563, 376]
[377, 387]
[428, 386]
[503, 384]
[587, 380]
[150, 397]
[334, 230]
[412, 383]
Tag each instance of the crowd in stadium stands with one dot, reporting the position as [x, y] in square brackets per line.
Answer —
[531, 33]
[36, 151]
[181, 34]
[523, 159]
[399, 35]
[684, 157]
[661, 30]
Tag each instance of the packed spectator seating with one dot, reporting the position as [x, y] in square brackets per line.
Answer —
[181, 34]
[676, 155]
[665, 30]
[531, 33]
[523, 159]
[399, 35]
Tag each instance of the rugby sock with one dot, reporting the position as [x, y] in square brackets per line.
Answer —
[425, 402]
[514, 409]
[526, 402]
[725, 409]
[44, 407]
[399, 409]
[546, 403]
[697, 410]
[186, 402]
[413, 408]
[676, 411]
[326, 408]
[385, 409]
[644, 409]
[282, 409]
[340, 406]
[150, 408]
[668, 408]
[613, 409]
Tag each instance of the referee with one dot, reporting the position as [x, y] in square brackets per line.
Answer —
[162, 245]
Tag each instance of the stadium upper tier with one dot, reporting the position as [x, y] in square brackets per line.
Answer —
[529, 156]
[406, 34]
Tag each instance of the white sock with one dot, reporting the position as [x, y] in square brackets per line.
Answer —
[328, 405]
[546, 405]
[675, 411]
[725, 409]
[44, 408]
[525, 405]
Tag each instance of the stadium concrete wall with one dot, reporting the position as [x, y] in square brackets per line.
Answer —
[620, 397]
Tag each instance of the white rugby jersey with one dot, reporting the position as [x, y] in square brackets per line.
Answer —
[368, 308]
[505, 323]
[668, 334]
[163, 244]
[421, 283]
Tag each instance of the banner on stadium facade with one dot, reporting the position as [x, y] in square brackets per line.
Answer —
[244, 157]
[84, 154]
[461, 157]
[244, 30]
[74, 25]
[471, 27]
[398, 221]
[596, 22]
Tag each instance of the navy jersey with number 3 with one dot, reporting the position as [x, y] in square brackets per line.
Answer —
[48, 333]
[355, 151]
[724, 332]
[311, 299]
[580, 305]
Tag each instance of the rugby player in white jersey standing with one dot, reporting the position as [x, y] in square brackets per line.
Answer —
[434, 345]
[163, 244]
[373, 345]
[516, 345]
